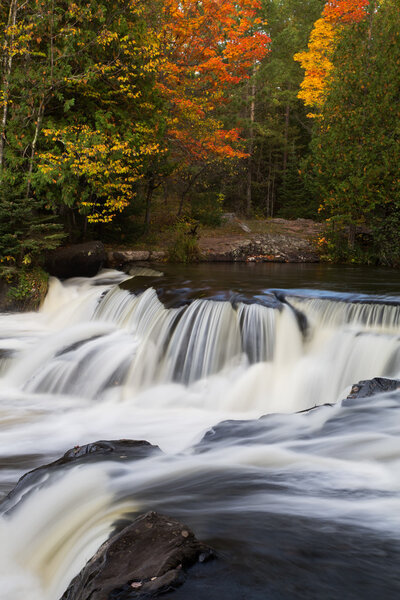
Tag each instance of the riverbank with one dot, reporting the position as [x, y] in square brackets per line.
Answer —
[237, 240]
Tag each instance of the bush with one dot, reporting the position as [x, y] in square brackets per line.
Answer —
[27, 288]
[185, 248]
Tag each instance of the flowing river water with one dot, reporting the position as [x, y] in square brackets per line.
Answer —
[214, 365]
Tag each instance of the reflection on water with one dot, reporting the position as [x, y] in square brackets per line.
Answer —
[256, 278]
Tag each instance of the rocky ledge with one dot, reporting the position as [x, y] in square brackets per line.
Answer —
[259, 248]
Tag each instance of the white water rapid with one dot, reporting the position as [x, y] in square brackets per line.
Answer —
[97, 362]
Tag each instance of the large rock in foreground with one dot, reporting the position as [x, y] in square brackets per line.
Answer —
[144, 560]
[79, 260]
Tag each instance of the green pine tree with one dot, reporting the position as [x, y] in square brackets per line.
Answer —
[356, 149]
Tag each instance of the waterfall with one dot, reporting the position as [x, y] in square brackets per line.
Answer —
[100, 362]
[107, 338]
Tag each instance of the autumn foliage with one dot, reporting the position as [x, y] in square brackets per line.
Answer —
[345, 11]
[317, 59]
[207, 47]
[115, 93]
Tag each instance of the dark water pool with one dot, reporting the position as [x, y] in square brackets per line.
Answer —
[225, 281]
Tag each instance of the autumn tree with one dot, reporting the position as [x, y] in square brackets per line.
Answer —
[208, 48]
[109, 84]
[356, 150]
[272, 119]
[317, 60]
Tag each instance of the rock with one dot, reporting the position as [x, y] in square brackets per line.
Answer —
[258, 248]
[139, 271]
[79, 260]
[144, 560]
[371, 387]
[115, 450]
[228, 217]
[119, 258]
[158, 256]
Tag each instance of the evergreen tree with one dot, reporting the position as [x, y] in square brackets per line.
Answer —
[356, 149]
[269, 114]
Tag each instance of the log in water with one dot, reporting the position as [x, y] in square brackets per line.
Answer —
[298, 504]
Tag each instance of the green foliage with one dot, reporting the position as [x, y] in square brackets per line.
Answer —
[356, 150]
[27, 230]
[296, 198]
[27, 289]
[82, 116]
[185, 248]
[280, 123]
[206, 208]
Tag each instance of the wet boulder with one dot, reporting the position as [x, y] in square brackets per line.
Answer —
[103, 450]
[371, 387]
[78, 260]
[146, 559]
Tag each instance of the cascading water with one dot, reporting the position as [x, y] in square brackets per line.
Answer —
[98, 362]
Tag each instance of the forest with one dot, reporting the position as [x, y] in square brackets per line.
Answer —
[112, 112]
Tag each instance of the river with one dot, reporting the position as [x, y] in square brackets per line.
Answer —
[214, 364]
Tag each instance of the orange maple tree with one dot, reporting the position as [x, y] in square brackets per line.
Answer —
[345, 11]
[207, 46]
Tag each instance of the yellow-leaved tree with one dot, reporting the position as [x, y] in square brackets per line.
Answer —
[317, 60]
[95, 162]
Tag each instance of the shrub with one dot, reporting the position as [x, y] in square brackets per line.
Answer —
[185, 248]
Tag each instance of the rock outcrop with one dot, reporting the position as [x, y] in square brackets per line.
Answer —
[78, 260]
[259, 248]
[118, 259]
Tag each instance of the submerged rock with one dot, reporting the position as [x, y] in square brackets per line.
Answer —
[144, 560]
[115, 450]
[371, 387]
[78, 260]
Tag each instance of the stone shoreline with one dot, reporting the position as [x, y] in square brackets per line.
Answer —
[254, 248]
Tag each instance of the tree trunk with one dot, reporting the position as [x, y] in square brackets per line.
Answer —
[39, 121]
[286, 135]
[7, 67]
[149, 195]
[187, 189]
[249, 201]
[273, 191]
[269, 185]
[351, 236]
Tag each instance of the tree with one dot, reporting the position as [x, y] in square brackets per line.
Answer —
[271, 117]
[80, 114]
[317, 59]
[208, 48]
[356, 149]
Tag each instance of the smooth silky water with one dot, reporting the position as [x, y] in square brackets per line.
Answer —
[297, 504]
